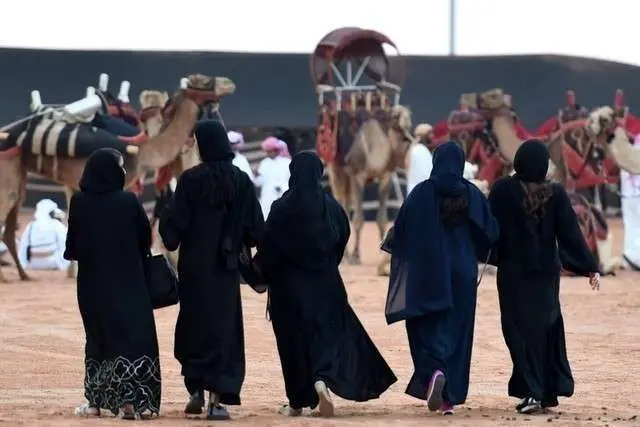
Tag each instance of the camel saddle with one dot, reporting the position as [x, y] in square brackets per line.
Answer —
[462, 124]
[53, 137]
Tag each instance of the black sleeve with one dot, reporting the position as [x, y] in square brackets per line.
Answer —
[70, 247]
[175, 220]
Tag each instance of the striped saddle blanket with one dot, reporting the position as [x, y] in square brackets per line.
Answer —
[55, 138]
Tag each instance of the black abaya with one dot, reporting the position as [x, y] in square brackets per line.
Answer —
[437, 298]
[109, 236]
[214, 211]
[529, 286]
[318, 335]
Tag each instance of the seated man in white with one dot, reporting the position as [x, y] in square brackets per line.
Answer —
[43, 241]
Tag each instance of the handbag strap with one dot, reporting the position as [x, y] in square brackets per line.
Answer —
[484, 267]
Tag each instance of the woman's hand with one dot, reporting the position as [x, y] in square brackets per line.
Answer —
[594, 281]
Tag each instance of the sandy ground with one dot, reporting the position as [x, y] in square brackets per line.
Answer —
[41, 357]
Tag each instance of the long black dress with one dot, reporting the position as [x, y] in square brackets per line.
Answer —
[214, 211]
[433, 281]
[529, 287]
[109, 236]
[318, 335]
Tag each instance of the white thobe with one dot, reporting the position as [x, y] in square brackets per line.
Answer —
[273, 178]
[419, 166]
[46, 237]
[240, 161]
[630, 192]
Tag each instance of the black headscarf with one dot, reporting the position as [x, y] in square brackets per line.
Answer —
[213, 142]
[217, 183]
[448, 168]
[531, 162]
[299, 223]
[102, 173]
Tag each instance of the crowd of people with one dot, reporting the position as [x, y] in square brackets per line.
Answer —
[444, 229]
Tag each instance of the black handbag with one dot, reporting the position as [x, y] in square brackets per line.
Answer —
[162, 281]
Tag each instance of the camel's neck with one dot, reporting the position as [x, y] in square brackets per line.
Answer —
[162, 148]
[153, 125]
[399, 147]
[505, 132]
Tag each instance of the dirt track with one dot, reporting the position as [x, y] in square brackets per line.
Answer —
[41, 358]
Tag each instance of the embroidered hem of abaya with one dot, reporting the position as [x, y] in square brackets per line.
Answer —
[111, 383]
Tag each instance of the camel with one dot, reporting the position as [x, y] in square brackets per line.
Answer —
[13, 181]
[374, 155]
[154, 153]
[152, 108]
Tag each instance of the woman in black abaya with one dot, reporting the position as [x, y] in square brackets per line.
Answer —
[109, 236]
[213, 214]
[443, 228]
[321, 343]
[536, 219]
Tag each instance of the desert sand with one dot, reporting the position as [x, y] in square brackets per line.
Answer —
[41, 357]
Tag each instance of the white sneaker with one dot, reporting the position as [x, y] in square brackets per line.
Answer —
[288, 411]
[87, 411]
[325, 405]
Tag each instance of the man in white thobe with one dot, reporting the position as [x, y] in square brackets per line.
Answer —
[43, 241]
[630, 199]
[273, 174]
[419, 158]
[236, 139]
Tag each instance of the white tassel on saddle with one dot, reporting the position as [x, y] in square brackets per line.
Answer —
[90, 91]
[103, 82]
[184, 83]
[123, 95]
[36, 100]
[83, 110]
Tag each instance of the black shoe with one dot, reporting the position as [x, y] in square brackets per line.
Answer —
[529, 405]
[217, 412]
[195, 404]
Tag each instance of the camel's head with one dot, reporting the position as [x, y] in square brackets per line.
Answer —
[401, 118]
[153, 99]
[600, 120]
[490, 103]
[204, 89]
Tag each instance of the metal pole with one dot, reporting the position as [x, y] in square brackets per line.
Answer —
[452, 27]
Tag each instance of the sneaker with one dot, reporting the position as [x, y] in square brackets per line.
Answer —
[217, 412]
[195, 404]
[529, 406]
[288, 411]
[87, 411]
[446, 408]
[325, 404]
[434, 391]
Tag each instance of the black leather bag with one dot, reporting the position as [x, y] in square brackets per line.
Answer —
[162, 281]
[387, 242]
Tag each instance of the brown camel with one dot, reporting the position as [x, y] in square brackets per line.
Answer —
[152, 104]
[154, 153]
[374, 155]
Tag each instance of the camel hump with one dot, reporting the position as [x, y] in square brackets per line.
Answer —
[56, 138]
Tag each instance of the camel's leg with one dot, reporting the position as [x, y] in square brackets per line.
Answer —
[357, 194]
[9, 239]
[72, 269]
[340, 188]
[382, 218]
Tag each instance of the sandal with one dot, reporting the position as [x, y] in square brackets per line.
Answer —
[87, 411]
[128, 413]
